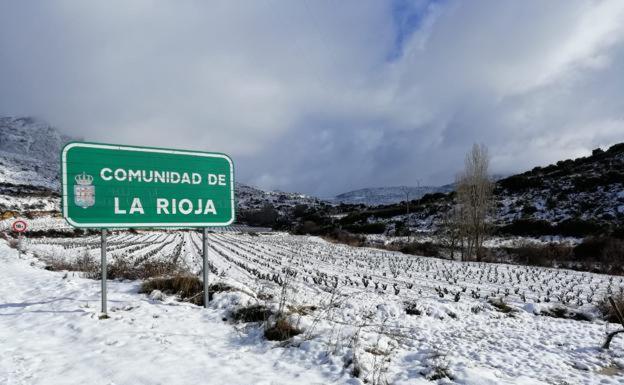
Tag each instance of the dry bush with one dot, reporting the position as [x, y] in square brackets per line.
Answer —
[265, 296]
[609, 251]
[59, 265]
[411, 308]
[501, 306]
[345, 237]
[476, 309]
[608, 312]
[302, 309]
[565, 313]
[219, 287]
[439, 372]
[437, 368]
[187, 287]
[253, 313]
[281, 330]
[426, 249]
[541, 255]
[85, 264]
[596, 254]
[120, 268]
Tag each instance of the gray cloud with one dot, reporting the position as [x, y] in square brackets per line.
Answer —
[322, 97]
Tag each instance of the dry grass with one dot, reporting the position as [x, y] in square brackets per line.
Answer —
[254, 313]
[439, 372]
[608, 312]
[411, 308]
[121, 269]
[281, 330]
[187, 287]
[118, 268]
[562, 312]
[302, 310]
[501, 306]
[85, 264]
[376, 351]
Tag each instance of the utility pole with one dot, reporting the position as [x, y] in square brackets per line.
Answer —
[406, 192]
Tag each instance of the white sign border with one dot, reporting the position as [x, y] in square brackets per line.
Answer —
[71, 145]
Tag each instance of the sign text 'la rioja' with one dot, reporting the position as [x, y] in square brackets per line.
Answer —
[123, 186]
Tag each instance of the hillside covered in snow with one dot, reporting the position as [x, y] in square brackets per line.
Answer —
[573, 197]
[30, 172]
[589, 189]
[30, 152]
[376, 196]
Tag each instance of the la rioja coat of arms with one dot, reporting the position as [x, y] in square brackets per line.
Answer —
[84, 191]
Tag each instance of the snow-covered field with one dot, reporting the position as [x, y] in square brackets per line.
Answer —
[50, 334]
[356, 319]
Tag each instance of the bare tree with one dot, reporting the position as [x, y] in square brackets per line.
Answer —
[406, 192]
[475, 201]
[451, 230]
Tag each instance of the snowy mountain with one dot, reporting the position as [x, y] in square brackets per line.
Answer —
[376, 196]
[29, 152]
[29, 171]
[573, 197]
[248, 197]
[589, 189]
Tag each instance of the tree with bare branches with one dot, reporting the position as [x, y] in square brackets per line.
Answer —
[450, 230]
[475, 201]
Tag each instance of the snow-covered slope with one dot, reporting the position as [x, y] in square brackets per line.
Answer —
[376, 196]
[253, 198]
[573, 197]
[364, 312]
[589, 188]
[29, 152]
[50, 334]
[29, 171]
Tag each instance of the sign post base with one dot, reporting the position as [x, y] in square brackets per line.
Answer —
[205, 257]
[103, 249]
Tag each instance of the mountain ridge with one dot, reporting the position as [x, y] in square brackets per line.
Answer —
[376, 196]
[30, 171]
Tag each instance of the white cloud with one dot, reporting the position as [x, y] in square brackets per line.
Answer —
[316, 96]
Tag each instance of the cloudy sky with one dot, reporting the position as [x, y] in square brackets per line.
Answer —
[324, 96]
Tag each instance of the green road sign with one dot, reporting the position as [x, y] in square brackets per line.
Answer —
[123, 186]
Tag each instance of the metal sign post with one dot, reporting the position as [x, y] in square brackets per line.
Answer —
[19, 227]
[20, 244]
[205, 255]
[103, 250]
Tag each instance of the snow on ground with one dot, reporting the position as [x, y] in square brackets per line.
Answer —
[23, 203]
[493, 242]
[39, 223]
[351, 304]
[50, 334]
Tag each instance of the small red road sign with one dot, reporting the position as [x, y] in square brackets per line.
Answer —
[19, 226]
